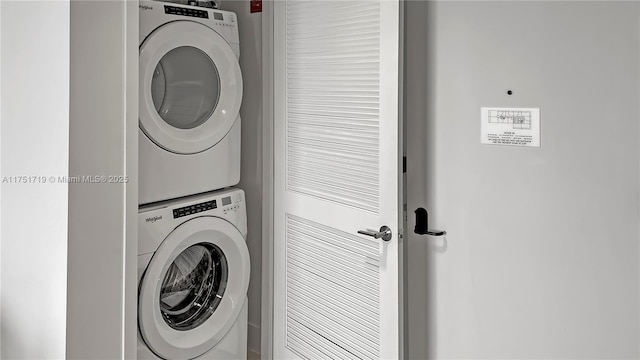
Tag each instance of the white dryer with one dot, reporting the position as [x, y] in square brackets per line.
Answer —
[193, 276]
[189, 100]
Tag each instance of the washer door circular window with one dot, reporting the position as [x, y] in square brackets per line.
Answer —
[190, 87]
[194, 288]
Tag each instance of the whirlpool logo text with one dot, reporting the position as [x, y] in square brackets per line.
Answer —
[154, 219]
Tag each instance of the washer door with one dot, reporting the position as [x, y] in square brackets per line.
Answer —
[194, 288]
[190, 87]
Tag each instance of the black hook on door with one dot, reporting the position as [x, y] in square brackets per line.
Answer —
[422, 224]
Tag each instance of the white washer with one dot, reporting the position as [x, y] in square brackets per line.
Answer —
[190, 95]
[193, 276]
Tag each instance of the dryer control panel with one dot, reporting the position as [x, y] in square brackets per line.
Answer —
[175, 10]
[222, 18]
[154, 14]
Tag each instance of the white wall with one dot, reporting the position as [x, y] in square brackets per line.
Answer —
[250, 27]
[541, 259]
[69, 90]
[102, 253]
[0, 185]
[35, 142]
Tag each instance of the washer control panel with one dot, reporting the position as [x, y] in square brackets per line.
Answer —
[157, 221]
[194, 209]
[231, 203]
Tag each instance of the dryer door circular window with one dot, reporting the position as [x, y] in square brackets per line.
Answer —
[187, 92]
[193, 290]
[190, 87]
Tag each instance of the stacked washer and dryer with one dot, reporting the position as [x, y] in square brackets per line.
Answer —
[193, 262]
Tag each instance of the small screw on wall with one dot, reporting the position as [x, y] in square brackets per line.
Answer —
[509, 92]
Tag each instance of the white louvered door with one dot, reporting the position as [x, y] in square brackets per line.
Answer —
[337, 166]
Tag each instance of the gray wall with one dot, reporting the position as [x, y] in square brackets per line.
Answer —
[35, 142]
[250, 27]
[541, 259]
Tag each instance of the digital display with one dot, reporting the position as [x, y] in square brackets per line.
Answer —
[174, 10]
[226, 201]
[194, 209]
[217, 16]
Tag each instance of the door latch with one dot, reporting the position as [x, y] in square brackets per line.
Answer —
[422, 224]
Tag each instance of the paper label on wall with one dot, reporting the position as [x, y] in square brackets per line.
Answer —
[510, 126]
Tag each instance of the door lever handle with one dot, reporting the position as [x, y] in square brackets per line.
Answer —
[433, 232]
[422, 224]
[384, 233]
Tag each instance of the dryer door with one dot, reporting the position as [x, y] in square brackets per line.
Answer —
[193, 289]
[190, 87]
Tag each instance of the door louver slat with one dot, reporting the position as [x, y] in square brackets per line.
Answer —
[333, 97]
[332, 292]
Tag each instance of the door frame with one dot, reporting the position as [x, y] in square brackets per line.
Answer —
[266, 321]
[267, 281]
